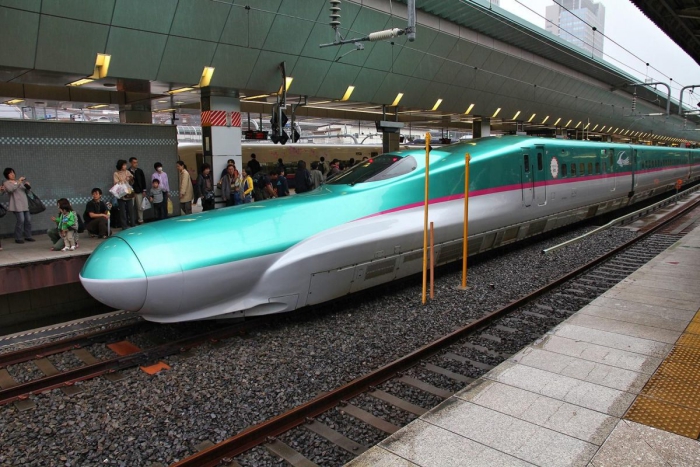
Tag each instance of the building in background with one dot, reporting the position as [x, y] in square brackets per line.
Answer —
[581, 22]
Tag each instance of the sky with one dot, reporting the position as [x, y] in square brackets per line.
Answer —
[632, 30]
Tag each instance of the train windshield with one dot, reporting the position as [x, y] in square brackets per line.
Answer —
[378, 168]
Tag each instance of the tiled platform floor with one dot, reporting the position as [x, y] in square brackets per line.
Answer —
[562, 401]
[13, 253]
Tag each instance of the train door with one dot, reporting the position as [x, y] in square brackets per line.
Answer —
[527, 180]
[539, 176]
[633, 167]
[611, 179]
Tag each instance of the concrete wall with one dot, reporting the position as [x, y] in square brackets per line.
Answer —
[68, 159]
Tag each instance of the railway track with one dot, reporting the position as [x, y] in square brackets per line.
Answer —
[442, 367]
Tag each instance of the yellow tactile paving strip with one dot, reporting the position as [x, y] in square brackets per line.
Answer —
[670, 400]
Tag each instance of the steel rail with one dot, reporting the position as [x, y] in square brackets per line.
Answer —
[67, 378]
[64, 345]
[262, 432]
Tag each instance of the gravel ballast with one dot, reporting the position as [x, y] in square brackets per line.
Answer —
[221, 389]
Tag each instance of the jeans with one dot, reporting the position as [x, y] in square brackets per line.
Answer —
[161, 210]
[23, 219]
[126, 206]
[247, 199]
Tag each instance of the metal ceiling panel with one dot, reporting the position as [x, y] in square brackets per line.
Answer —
[337, 80]
[442, 45]
[249, 27]
[184, 59]
[448, 72]
[26, 5]
[365, 21]
[292, 26]
[234, 66]
[18, 36]
[266, 74]
[83, 10]
[406, 60]
[381, 57]
[428, 67]
[387, 91]
[145, 16]
[367, 84]
[478, 57]
[79, 41]
[144, 49]
[195, 19]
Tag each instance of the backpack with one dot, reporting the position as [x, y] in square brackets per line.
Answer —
[81, 224]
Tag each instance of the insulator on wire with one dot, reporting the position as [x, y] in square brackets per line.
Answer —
[386, 34]
[634, 100]
[335, 13]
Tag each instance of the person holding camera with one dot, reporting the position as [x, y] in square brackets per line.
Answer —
[17, 189]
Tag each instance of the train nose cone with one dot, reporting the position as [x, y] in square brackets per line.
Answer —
[114, 276]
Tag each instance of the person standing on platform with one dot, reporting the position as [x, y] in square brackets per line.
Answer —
[302, 179]
[247, 187]
[186, 190]
[139, 187]
[205, 182]
[334, 169]
[280, 165]
[316, 176]
[323, 167]
[96, 215]
[281, 185]
[19, 204]
[253, 165]
[160, 203]
[126, 202]
[162, 178]
[231, 186]
[223, 172]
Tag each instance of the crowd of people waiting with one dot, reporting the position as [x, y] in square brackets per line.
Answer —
[251, 183]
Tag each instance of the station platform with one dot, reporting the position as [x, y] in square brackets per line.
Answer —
[39, 286]
[617, 384]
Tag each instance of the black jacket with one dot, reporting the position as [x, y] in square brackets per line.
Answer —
[253, 167]
[139, 180]
[302, 181]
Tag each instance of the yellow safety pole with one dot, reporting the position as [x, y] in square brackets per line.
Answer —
[432, 261]
[425, 216]
[467, 158]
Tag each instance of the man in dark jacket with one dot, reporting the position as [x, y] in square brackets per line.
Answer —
[302, 178]
[280, 184]
[139, 187]
[253, 165]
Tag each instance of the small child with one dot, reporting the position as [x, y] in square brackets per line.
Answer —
[68, 225]
[160, 205]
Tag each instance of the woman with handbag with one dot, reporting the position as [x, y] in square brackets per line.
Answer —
[19, 204]
[205, 182]
[126, 202]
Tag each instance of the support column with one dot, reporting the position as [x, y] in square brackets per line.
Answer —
[481, 128]
[221, 129]
[560, 133]
[390, 141]
[519, 129]
[137, 106]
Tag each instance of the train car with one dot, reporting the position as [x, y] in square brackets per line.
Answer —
[364, 227]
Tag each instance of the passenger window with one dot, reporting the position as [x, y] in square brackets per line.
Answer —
[581, 168]
[597, 167]
[573, 170]
[539, 161]
[563, 170]
[526, 163]
[604, 168]
[590, 168]
[611, 155]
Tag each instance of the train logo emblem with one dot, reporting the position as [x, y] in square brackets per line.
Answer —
[554, 167]
[623, 159]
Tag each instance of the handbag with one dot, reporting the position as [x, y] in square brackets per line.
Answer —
[170, 207]
[145, 204]
[3, 211]
[122, 190]
[35, 204]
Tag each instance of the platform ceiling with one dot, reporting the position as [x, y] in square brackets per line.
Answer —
[466, 53]
[679, 19]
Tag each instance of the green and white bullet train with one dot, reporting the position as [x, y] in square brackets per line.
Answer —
[365, 227]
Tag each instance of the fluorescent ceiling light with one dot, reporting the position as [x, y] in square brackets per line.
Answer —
[578, 124]
[587, 125]
[595, 127]
[471, 106]
[348, 93]
[516, 115]
[533, 116]
[207, 74]
[568, 123]
[98, 106]
[80, 82]
[260, 96]
[557, 122]
[287, 83]
[397, 100]
[13, 101]
[437, 104]
[545, 119]
[178, 91]
[496, 112]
